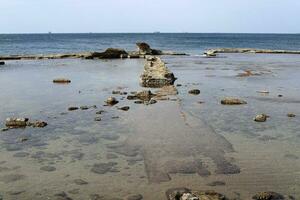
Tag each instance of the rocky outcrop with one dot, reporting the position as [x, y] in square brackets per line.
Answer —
[245, 50]
[156, 74]
[110, 53]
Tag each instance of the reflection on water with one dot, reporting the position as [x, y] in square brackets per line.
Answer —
[149, 149]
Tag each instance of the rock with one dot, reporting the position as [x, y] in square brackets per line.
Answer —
[176, 193]
[110, 53]
[156, 74]
[194, 91]
[280, 95]
[188, 196]
[37, 124]
[216, 183]
[210, 54]
[232, 101]
[72, 108]
[2, 63]
[111, 101]
[103, 168]
[61, 80]
[248, 73]
[166, 91]
[84, 107]
[261, 118]
[124, 108]
[97, 119]
[132, 97]
[144, 48]
[100, 112]
[268, 196]
[16, 122]
[145, 95]
[135, 197]
[80, 182]
[48, 168]
[21, 154]
[291, 115]
[243, 50]
[263, 92]
[5, 129]
[139, 102]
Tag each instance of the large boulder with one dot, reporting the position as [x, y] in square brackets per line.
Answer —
[2, 63]
[145, 49]
[156, 74]
[110, 53]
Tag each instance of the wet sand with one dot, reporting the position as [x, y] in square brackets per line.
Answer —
[149, 149]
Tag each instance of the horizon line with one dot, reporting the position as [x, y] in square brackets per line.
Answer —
[154, 32]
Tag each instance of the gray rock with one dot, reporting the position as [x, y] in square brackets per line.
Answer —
[110, 53]
[80, 182]
[103, 168]
[48, 168]
[135, 197]
[111, 101]
[72, 108]
[261, 118]
[156, 74]
[268, 196]
[194, 91]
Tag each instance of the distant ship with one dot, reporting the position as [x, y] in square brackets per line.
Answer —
[156, 32]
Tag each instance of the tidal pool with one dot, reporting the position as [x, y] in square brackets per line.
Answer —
[188, 141]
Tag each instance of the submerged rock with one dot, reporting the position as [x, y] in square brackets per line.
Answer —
[194, 91]
[232, 101]
[156, 74]
[268, 196]
[61, 80]
[261, 118]
[80, 182]
[103, 168]
[124, 108]
[111, 101]
[145, 95]
[48, 168]
[291, 115]
[72, 108]
[109, 53]
[38, 124]
[135, 197]
[16, 122]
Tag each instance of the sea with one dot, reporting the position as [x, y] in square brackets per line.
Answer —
[193, 43]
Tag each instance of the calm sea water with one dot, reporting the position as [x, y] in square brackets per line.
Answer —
[187, 42]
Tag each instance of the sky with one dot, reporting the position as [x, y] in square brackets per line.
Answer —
[108, 16]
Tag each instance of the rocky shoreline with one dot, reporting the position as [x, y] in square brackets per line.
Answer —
[249, 50]
[143, 49]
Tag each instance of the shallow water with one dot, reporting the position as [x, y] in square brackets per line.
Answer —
[150, 149]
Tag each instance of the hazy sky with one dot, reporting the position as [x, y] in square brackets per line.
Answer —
[259, 16]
